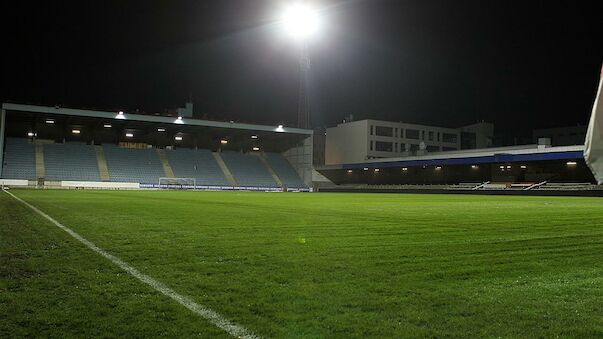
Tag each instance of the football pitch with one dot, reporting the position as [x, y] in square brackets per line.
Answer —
[301, 265]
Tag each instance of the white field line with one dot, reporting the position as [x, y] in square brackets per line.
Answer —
[212, 316]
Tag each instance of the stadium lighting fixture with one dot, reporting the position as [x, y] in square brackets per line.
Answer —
[179, 120]
[76, 131]
[178, 138]
[509, 167]
[502, 167]
[224, 141]
[474, 166]
[376, 170]
[255, 148]
[129, 135]
[438, 168]
[31, 134]
[160, 129]
[107, 126]
[366, 168]
[254, 137]
[279, 128]
[120, 115]
[50, 121]
[523, 166]
[349, 171]
[404, 169]
[300, 20]
[571, 163]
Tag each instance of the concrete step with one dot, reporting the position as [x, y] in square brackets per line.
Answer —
[169, 173]
[103, 170]
[231, 179]
[271, 170]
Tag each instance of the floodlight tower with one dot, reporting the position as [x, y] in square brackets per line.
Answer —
[302, 22]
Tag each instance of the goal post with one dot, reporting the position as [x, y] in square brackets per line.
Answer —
[177, 183]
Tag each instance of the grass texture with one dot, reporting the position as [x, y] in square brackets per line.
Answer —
[303, 265]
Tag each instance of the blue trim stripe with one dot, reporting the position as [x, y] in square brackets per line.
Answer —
[496, 158]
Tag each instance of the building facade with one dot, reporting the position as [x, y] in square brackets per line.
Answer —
[562, 136]
[361, 140]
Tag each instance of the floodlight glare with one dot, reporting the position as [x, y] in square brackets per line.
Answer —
[254, 137]
[161, 129]
[49, 121]
[30, 134]
[300, 20]
[571, 163]
[75, 131]
[107, 125]
[255, 148]
[129, 135]
[223, 141]
[120, 115]
[178, 138]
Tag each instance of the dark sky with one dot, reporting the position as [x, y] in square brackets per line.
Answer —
[519, 64]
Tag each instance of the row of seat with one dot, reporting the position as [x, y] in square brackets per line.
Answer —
[78, 161]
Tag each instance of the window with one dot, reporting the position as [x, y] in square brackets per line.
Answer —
[414, 147]
[384, 131]
[382, 146]
[422, 135]
[412, 134]
[371, 129]
[449, 137]
[433, 148]
[438, 136]
[371, 143]
[395, 133]
[430, 135]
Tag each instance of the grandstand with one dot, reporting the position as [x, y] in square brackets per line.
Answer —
[138, 150]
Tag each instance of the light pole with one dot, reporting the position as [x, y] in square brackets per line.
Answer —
[302, 22]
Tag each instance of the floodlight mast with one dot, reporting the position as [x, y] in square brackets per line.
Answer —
[302, 22]
[303, 108]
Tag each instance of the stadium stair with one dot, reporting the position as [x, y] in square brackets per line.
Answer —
[271, 171]
[169, 173]
[40, 169]
[103, 170]
[284, 170]
[231, 180]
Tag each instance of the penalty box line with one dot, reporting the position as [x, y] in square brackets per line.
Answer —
[208, 314]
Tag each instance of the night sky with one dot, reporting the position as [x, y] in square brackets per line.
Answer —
[519, 64]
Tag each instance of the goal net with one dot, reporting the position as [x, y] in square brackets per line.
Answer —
[177, 183]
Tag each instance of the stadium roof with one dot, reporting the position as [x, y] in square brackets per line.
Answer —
[150, 118]
[471, 157]
[100, 127]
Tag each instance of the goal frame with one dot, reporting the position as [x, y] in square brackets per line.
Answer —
[177, 183]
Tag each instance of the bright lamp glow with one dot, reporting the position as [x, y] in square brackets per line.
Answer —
[300, 20]
[224, 141]
[49, 121]
[129, 135]
[30, 134]
[255, 148]
[571, 163]
[120, 115]
[75, 131]
[107, 125]
[178, 138]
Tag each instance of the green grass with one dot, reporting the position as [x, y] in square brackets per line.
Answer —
[304, 265]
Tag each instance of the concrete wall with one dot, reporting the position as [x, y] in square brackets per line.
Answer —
[300, 158]
[347, 143]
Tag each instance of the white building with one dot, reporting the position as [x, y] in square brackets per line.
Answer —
[358, 141]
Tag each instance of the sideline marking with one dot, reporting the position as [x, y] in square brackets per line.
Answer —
[212, 316]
